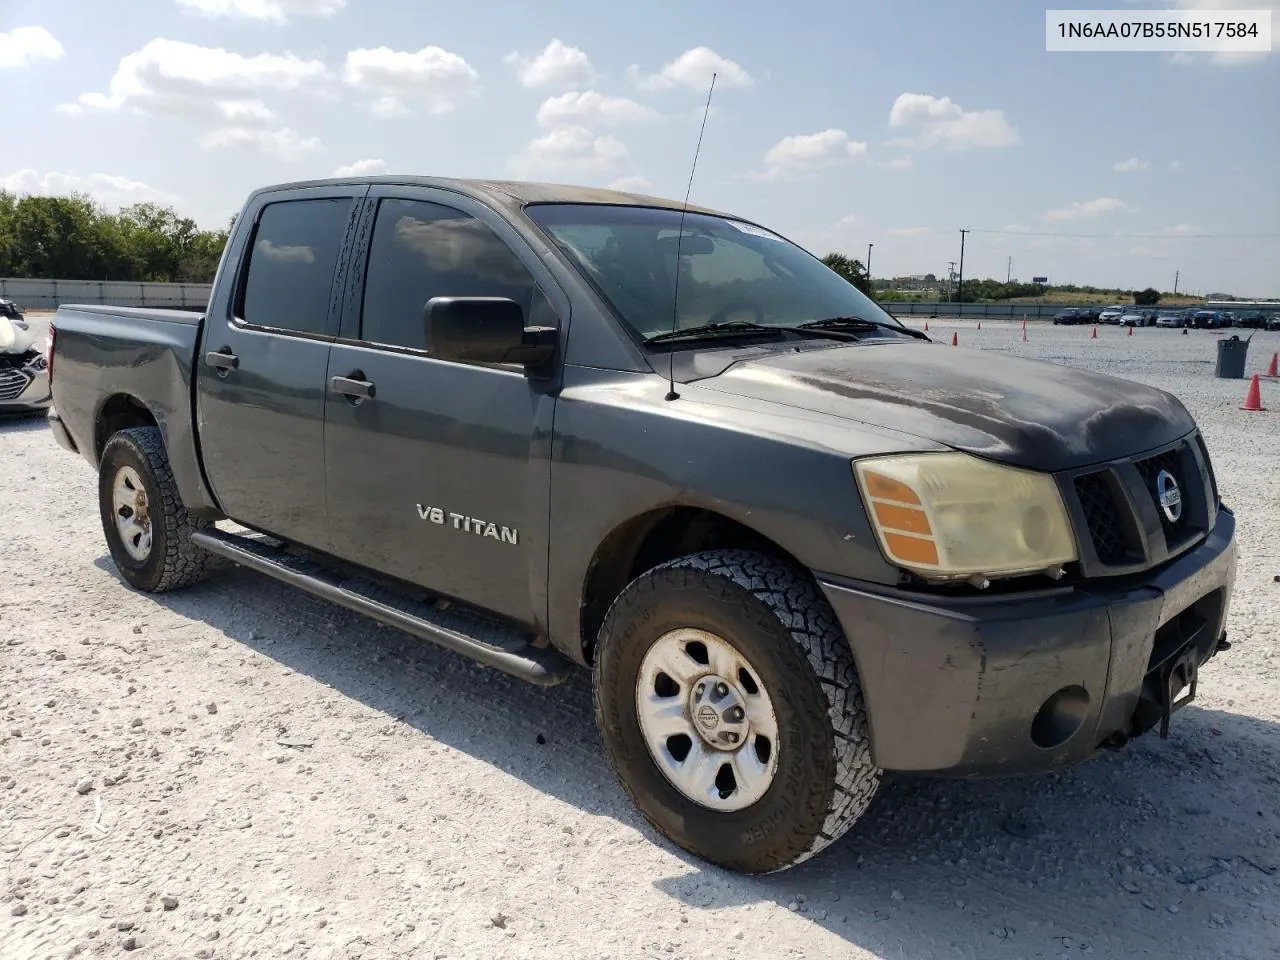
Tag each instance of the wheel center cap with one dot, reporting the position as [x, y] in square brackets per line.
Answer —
[719, 713]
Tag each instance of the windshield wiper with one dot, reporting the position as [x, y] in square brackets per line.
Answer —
[728, 328]
[850, 324]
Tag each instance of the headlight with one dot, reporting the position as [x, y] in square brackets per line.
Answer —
[953, 516]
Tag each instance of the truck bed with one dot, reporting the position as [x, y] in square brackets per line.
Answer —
[109, 361]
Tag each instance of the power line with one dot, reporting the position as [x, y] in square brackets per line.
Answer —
[1135, 236]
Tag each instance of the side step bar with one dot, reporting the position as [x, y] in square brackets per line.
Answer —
[486, 640]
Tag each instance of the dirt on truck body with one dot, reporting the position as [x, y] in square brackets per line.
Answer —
[797, 543]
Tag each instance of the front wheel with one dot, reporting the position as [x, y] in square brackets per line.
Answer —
[731, 712]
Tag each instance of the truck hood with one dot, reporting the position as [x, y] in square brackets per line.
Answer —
[1027, 413]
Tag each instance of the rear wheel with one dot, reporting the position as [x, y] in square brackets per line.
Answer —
[731, 711]
[148, 530]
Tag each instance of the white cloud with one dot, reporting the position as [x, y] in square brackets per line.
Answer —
[434, 78]
[804, 154]
[388, 108]
[846, 221]
[1180, 230]
[272, 11]
[569, 150]
[941, 122]
[1132, 165]
[284, 144]
[899, 163]
[632, 184]
[558, 65]
[693, 68]
[1088, 209]
[109, 190]
[362, 168]
[1175, 165]
[177, 79]
[24, 45]
[591, 108]
[909, 231]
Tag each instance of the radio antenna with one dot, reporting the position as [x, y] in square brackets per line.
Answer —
[675, 302]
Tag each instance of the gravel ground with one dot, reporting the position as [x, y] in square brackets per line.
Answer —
[239, 770]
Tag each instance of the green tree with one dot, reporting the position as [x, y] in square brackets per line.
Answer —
[1146, 298]
[849, 268]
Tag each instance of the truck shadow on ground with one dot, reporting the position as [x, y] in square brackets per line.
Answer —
[23, 422]
[1169, 842]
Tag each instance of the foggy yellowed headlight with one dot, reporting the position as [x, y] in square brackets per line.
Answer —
[953, 516]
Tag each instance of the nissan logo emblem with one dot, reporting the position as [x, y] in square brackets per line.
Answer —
[1169, 495]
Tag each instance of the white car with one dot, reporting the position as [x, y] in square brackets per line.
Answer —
[24, 374]
[1111, 314]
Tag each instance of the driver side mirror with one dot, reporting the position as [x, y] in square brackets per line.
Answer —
[484, 330]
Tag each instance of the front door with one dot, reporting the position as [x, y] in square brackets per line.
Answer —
[261, 367]
[438, 471]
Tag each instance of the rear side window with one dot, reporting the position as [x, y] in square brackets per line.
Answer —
[292, 265]
[422, 250]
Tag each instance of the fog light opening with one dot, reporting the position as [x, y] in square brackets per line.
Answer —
[1060, 717]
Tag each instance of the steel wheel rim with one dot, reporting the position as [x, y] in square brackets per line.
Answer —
[694, 694]
[130, 509]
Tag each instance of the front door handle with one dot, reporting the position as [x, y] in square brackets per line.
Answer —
[223, 360]
[353, 387]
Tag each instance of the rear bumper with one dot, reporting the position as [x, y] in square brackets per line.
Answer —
[60, 432]
[1002, 686]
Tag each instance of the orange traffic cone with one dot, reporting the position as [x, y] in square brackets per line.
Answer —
[1254, 399]
[1131, 331]
[955, 339]
[979, 324]
[1024, 334]
[1271, 369]
[1094, 335]
[926, 326]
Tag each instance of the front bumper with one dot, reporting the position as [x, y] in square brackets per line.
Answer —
[1025, 684]
[24, 389]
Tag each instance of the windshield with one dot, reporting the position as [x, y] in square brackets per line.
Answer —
[729, 270]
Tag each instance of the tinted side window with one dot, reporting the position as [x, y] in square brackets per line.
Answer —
[292, 265]
[422, 250]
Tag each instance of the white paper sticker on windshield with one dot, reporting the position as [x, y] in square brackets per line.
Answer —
[754, 231]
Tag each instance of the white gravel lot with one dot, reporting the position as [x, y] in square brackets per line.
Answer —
[241, 771]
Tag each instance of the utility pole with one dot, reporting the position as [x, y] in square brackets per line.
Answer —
[1176, 275]
[869, 246]
[960, 282]
[951, 277]
[1008, 275]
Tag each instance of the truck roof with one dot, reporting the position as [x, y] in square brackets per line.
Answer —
[508, 193]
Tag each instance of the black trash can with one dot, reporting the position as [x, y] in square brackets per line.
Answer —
[1231, 358]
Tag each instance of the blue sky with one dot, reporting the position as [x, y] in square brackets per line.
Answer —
[837, 123]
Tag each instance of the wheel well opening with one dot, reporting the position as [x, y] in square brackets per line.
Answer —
[120, 412]
[651, 540]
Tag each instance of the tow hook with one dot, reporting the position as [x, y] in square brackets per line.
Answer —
[1175, 675]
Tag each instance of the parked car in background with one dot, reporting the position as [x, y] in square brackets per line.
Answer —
[1111, 314]
[1138, 318]
[1069, 316]
[1170, 318]
[1208, 320]
[24, 375]
[1251, 319]
[1089, 314]
[1273, 322]
[9, 309]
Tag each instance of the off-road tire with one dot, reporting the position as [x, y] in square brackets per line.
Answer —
[174, 561]
[775, 616]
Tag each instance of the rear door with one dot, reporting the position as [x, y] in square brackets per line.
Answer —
[261, 367]
[438, 471]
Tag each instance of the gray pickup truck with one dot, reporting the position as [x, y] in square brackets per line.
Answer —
[798, 544]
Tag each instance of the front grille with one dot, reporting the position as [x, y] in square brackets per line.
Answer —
[1115, 508]
[12, 383]
[1102, 515]
[1171, 462]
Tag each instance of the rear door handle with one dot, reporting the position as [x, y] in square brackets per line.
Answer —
[352, 386]
[222, 359]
